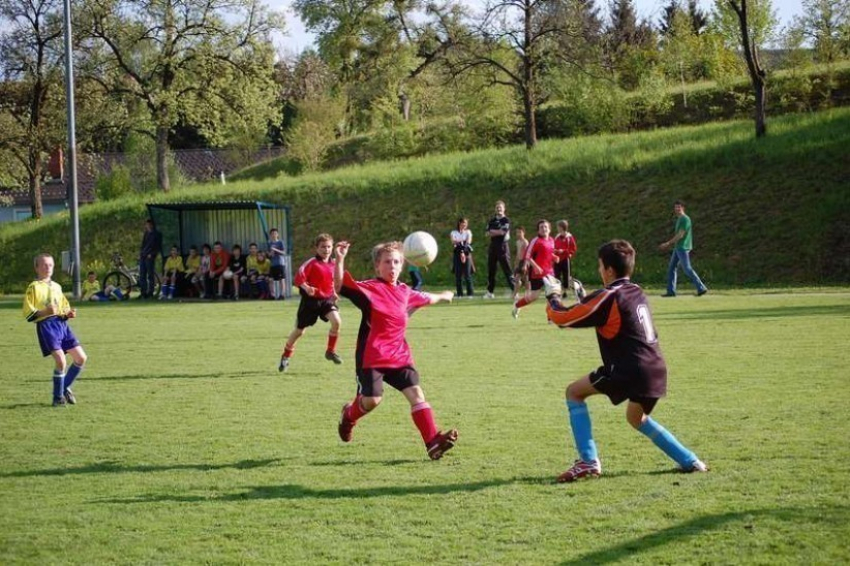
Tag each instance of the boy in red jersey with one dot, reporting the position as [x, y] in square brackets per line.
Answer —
[383, 354]
[539, 260]
[565, 249]
[315, 282]
[633, 367]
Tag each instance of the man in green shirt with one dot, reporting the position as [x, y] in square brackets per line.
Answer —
[682, 242]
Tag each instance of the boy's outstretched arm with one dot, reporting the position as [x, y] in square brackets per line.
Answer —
[592, 311]
[437, 297]
[339, 267]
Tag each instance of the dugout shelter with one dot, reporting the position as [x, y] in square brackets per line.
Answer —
[230, 222]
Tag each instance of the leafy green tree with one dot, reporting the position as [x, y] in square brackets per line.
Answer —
[208, 62]
[631, 45]
[762, 23]
[826, 24]
[32, 122]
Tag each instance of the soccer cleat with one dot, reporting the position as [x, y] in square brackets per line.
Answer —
[702, 292]
[333, 357]
[345, 427]
[69, 397]
[581, 469]
[697, 466]
[442, 443]
[284, 364]
[515, 312]
[489, 295]
[59, 401]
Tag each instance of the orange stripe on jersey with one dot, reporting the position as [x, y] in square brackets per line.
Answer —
[578, 312]
[612, 325]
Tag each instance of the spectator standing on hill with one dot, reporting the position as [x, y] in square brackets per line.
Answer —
[682, 242]
[150, 249]
[462, 257]
[499, 231]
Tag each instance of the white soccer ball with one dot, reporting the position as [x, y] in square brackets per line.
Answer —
[420, 249]
[227, 274]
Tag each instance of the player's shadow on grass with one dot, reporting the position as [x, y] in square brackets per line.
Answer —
[397, 462]
[116, 468]
[773, 312]
[211, 375]
[749, 520]
[295, 491]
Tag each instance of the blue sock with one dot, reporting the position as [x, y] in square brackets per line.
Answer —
[58, 384]
[662, 438]
[72, 374]
[118, 294]
[582, 433]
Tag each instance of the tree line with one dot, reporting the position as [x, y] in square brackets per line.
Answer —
[391, 74]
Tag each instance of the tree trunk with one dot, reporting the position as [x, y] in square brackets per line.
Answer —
[528, 90]
[761, 103]
[530, 121]
[162, 180]
[36, 207]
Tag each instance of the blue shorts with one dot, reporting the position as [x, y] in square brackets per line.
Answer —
[55, 334]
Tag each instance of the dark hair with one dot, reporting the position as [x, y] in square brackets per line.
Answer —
[543, 221]
[520, 228]
[618, 255]
[273, 230]
[90, 273]
[462, 219]
[563, 224]
[193, 247]
[217, 243]
[237, 247]
[679, 203]
[206, 247]
[253, 244]
[174, 247]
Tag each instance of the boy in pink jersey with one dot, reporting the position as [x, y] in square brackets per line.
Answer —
[383, 354]
[539, 259]
[315, 282]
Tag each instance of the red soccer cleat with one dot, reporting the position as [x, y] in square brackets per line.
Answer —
[581, 469]
[442, 443]
[345, 425]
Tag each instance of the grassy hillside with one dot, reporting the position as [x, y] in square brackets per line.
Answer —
[770, 211]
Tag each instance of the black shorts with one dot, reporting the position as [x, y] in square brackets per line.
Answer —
[620, 387]
[370, 381]
[311, 310]
[536, 284]
[277, 272]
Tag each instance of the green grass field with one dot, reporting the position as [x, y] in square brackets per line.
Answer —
[187, 445]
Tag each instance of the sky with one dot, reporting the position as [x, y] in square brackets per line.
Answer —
[297, 38]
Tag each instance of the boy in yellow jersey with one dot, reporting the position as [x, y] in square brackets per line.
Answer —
[171, 273]
[264, 267]
[47, 307]
[92, 292]
[193, 264]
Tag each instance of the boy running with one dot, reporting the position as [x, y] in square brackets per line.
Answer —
[633, 367]
[47, 307]
[539, 259]
[383, 354]
[315, 282]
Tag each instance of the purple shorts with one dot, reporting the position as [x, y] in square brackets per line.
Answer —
[55, 334]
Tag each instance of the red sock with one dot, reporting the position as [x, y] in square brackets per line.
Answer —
[423, 417]
[332, 342]
[355, 411]
[521, 303]
[287, 351]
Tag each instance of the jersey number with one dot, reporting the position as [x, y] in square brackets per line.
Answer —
[646, 321]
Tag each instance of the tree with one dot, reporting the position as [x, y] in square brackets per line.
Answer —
[206, 61]
[758, 76]
[31, 96]
[826, 23]
[631, 45]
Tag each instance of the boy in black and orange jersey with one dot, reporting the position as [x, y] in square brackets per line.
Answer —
[633, 367]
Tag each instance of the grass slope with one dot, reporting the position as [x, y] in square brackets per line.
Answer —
[769, 211]
[186, 448]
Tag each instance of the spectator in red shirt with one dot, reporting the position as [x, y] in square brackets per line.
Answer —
[565, 249]
[383, 354]
[219, 263]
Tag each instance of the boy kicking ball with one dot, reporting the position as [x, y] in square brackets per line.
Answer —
[47, 307]
[633, 367]
[382, 351]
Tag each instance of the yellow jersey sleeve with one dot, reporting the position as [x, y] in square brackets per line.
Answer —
[174, 264]
[32, 302]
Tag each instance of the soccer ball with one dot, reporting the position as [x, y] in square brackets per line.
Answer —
[420, 248]
[227, 274]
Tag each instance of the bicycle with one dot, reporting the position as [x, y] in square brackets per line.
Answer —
[127, 279]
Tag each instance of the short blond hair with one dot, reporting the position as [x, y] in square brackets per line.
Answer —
[39, 257]
[323, 237]
[385, 248]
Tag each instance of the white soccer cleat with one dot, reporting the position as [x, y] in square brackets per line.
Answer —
[551, 287]
[515, 313]
[489, 295]
[698, 466]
